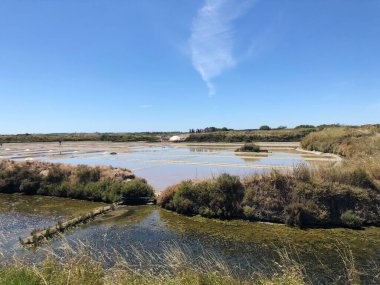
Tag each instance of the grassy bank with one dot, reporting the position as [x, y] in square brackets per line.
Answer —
[114, 137]
[106, 184]
[279, 135]
[303, 198]
[175, 266]
[360, 146]
[347, 195]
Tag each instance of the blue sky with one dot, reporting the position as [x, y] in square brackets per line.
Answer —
[147, 65]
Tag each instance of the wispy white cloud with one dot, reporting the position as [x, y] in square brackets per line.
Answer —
[146, 106]
[212, 38]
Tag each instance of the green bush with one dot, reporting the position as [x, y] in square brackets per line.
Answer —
[29, 187]
[136, 188]
[265, 128]
[299, 215]
[219, 198]
[56, 174]
[351, 220]
[87, 174]
[81, 182]
[305, 127]
[249, 147]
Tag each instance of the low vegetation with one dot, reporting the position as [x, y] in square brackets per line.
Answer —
[114, 137]
[304, 198]
[249, 147]
[176, 265]
[267, 135]
[347, 195]
[105, 184]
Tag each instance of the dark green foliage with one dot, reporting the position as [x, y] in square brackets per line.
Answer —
[61, 138]
[129, 190]
[265, 128]
[56, 174]
[218, 198]
[351, 220]
[299, 215]
[249, 147]
[85, 184]
[279, 135]
[29, 187]
[297, 199]
[87, 174]
[305, 127]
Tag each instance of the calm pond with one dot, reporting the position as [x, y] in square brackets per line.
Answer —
[242, 245]
[166, 164]
[245, 246]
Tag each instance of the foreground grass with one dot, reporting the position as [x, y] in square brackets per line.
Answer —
[77, 266]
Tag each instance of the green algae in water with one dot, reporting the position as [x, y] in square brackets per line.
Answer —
[312, 245]
[44, 205]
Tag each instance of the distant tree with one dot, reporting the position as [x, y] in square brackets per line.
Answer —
[265, 128]
[305, 127]
[281, 127]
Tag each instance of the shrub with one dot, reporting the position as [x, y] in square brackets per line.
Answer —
[249, 212]
[265, 128]
[360, 178]
[305, 127]
[136, 188]
[219, 198]
[166, 198]
[29, 187]
[249, 147]
[351, 220]
[7, 186]
[299, 215]
[302, 173]
[56, 174]
[231, 193]
[87, 174]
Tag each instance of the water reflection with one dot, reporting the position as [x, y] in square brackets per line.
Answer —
[151, 231]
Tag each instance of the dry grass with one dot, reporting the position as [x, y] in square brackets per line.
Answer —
[80, 265]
